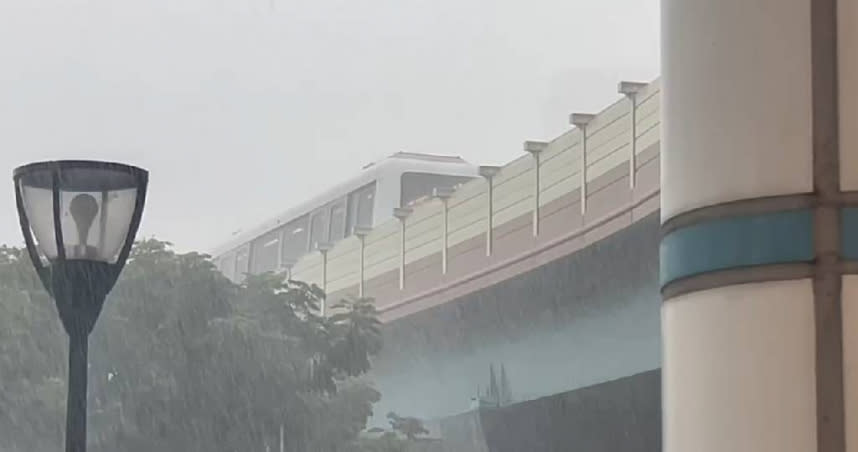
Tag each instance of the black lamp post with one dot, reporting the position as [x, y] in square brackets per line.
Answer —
[79, 219]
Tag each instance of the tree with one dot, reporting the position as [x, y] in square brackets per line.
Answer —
[358, 335]
[32, 359]
[183, 359]
[410, 427]
[404, 435]
[386, 442]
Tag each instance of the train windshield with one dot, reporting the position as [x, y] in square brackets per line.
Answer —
[417, 186]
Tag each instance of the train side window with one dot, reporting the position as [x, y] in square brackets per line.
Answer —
[295, 239]
[265, 251]
[242, 258]
[361, 203]
[227, 266]
[338, 223]
[318, 227]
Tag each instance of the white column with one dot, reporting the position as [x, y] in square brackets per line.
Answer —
[738, 370]
[847, 46]
[750, 339]
[361, 232]
[323, 249]
[736, 101]
[444, 195]
[850, 359]
[580, 120]
[402, 213]
[489, 173]
[631, 90]
[535, 148]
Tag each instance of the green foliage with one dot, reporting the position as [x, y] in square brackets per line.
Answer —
[183, 359]
[403, 436]
[358, 335]
[32, 361]
[410, 427]
[387, 442]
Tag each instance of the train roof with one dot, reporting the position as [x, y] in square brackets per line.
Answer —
[394, 164]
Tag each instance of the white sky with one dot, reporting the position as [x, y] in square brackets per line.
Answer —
[239, 110]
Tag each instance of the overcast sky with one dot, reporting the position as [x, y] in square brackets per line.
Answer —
[242, 108]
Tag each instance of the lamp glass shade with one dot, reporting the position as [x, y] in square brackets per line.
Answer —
[95, 207]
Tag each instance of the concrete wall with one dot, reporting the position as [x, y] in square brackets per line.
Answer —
[620, 415]
[583, 319]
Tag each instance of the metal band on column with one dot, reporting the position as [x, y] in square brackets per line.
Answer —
[827, 282]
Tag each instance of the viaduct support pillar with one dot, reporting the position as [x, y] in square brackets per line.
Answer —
[759, 251]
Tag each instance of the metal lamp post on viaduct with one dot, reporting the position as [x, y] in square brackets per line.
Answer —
[79, 219]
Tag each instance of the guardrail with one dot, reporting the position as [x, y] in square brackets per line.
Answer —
[562, 195]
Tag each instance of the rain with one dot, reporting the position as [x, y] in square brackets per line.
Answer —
[330, 226]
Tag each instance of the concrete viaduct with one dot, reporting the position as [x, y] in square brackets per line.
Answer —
[676, 272]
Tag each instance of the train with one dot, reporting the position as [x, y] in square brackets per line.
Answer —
[363, 201]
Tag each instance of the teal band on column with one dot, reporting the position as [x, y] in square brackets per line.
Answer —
[739, 241]
[849, 233]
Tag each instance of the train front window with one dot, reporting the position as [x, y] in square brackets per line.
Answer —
[416, 186]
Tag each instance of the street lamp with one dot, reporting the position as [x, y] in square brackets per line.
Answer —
[79, 219]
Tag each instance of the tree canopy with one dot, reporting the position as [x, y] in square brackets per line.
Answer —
[182, 359]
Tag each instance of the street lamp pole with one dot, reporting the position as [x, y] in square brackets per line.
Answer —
[79, 219]
[77, 391]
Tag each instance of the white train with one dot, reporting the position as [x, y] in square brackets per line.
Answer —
[364, 200]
